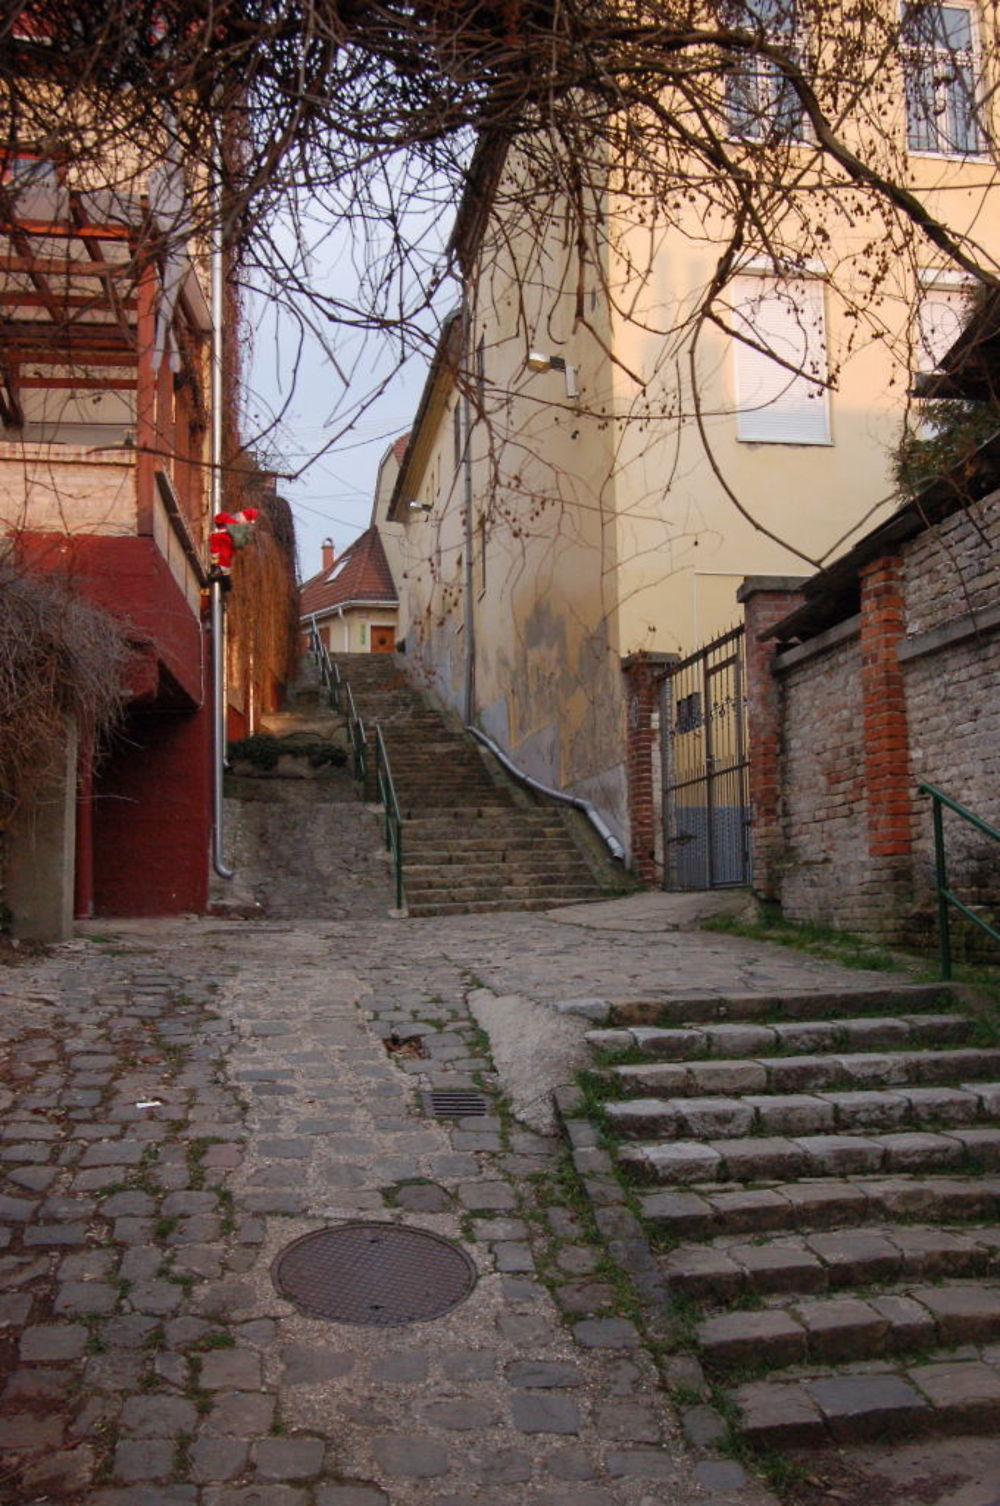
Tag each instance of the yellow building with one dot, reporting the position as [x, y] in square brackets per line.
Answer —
[600, 456]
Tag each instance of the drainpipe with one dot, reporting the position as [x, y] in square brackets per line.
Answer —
[470, 581]
[218, 603]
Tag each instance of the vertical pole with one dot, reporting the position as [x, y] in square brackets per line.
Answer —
[706, 716]
[470, 579]
[218, 604]
[941, 872]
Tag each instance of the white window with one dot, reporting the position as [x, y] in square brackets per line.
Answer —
[940, 70]
[781, 362]
[761, 104]
[941, 316]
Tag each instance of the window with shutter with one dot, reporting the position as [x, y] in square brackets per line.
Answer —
[943, 310]
[780, 396]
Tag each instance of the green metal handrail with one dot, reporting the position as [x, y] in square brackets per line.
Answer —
[944, 894]
[393, 820]
[359, 740]
[329, 672]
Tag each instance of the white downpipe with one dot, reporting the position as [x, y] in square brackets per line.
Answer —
[593, 815]
[215, 472]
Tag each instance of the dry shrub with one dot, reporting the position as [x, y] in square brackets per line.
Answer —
[60, 657]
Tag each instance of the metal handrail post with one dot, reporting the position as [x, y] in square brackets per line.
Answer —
[941, 875]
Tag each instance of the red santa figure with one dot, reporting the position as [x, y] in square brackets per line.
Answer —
[232, 531]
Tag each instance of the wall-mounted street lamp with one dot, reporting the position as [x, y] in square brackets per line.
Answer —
[419, 506]
[538, 361]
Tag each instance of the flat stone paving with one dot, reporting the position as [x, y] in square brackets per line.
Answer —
[181, 1100]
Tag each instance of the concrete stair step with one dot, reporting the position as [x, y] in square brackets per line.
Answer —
[806, 1113]
[808, 1037]
[815, 1005]
[834, 1330]
[944, 1395]
[763, 1158]
[485, 907]
[499, 889]
[729, 1270]
[702, 1212]
[805, 1074]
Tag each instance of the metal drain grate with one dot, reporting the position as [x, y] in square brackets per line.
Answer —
[381, 1275]
[455, 1103]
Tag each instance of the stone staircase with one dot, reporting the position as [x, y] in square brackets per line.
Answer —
[468, 845]
[821, 1177]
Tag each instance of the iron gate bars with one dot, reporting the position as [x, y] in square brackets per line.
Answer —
[706, 805]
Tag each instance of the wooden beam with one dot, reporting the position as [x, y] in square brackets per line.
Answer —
[79, 384]
[145, 432]
[61, 266]
[65, 300]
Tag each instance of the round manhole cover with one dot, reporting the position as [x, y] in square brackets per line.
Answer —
[381, 1274]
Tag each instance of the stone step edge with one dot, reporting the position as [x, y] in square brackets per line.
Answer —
[936, 1107]
[833, 1330]
[772, 1158]
[690, 1043]
[949, 1397]
[815, 1004]
[703, 1211]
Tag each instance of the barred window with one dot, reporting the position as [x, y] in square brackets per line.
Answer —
[761, 104]
[941, 75]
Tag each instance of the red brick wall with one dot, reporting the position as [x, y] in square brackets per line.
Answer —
[152, 814]
[643, 676]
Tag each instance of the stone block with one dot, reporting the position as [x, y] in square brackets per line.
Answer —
[791, 1114]
[779, 1415]
[862, 1407]
[780, 1266]
[962, 1314]
[703, 1272]
[750, 1210]
[944, 1106]
[842, 1328]
[939, 1252]
[825, 1203]
[685, 1213]
[806, 1036]
[921, 1149]
[869, 1109]
[910, 1325]
[841, 1155]
[771, 1337]
[874, 1068]
[761, 1158]
[855, 1257]
[681, 1162]
[965, 1395]
[676, 1045]
[799, 1074]
[707, 1118]
[727, 1077]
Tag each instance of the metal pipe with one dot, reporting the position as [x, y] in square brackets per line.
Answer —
[470, 578]
[218, 729]
[593, 815]
[215, 492]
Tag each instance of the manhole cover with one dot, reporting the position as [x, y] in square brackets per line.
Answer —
[378, 1274]
[455, 1103]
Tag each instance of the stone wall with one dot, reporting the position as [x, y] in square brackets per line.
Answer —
[907, 690]
[825, 856]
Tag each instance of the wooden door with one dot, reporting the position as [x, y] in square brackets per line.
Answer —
[383, 640]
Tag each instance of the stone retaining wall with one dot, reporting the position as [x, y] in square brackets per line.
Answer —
[906, 690]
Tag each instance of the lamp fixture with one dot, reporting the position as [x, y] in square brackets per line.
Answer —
[419, 506]
[539, 361]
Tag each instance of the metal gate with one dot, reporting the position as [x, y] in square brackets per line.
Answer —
[706, 807]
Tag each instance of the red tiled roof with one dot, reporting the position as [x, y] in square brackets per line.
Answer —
[360, 574]
[399, 446]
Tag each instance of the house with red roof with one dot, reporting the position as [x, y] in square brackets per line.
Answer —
[353, 600]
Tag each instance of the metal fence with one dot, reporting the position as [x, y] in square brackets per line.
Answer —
[706, 807]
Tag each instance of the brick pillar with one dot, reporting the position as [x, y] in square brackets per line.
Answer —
[888, 782]
[766, 600]
[643, 674]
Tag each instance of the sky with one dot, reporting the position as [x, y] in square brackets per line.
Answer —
[331, 399]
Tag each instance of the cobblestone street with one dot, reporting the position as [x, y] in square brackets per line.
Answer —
[182, 1100]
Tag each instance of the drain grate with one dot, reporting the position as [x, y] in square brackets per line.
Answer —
[455, 1103]
[381, 1275]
